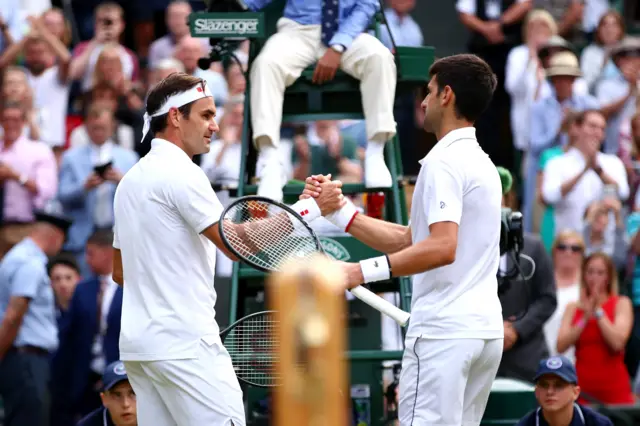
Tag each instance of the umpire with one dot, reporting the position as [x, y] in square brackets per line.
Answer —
[28, 331]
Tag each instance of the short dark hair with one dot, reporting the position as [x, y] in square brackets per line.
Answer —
[101, 237]
[174, 83]
[66, 259]
[470, 78]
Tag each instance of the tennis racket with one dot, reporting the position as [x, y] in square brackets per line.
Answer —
[264, 234]
[252, 343]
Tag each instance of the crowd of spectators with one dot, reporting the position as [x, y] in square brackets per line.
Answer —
[564, 120]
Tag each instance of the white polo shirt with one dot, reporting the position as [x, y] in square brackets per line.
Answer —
[569, 209]
[459, 183]
[161, 207]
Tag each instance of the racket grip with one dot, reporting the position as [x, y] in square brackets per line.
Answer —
[378, 303]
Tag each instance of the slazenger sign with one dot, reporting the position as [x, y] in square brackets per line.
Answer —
[226, 26]
[335, 249]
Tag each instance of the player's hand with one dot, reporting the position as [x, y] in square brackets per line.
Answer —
[330, 198]
[92, 181]
[352, 274]
[327, 66]
[510, 335]
[312, 186]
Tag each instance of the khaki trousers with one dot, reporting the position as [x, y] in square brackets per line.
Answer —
[295, 47]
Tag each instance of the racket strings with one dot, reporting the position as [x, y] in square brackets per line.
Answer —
[252, 346]
[267, 235]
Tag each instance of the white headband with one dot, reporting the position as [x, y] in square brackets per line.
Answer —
[198, 91]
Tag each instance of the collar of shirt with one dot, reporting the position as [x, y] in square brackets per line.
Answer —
[578, 157]
[576, 420]
[164, 147]
[101, 154]
[34, 249]
[106, 418]
[464, 133]
[15, 145]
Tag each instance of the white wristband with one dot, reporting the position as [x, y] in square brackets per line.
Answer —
[308, 209]
[375, 269]
[344, 217]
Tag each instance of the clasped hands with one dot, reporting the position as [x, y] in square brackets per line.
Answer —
[328, 195]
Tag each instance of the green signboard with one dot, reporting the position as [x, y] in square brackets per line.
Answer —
[227, 25]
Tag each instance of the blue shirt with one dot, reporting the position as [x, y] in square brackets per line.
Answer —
[405, 31]
[546, 119]
[582, 416]
[355, 15]
[23, 273]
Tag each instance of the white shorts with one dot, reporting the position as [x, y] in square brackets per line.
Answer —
[447, 382]
[188, 392]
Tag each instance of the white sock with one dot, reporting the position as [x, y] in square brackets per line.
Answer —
[374, 149]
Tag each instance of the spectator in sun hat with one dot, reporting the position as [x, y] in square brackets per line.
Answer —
[118, 400]
[557, 391]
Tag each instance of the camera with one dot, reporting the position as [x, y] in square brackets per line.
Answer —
[511, 232]
[222, 49]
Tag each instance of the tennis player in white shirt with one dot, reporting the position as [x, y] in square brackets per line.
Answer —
[454, 341]
[165, 234]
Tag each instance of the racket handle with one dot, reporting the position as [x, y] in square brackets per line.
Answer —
[380, 304]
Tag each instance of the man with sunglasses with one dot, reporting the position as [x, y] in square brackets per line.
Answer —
[528, 297]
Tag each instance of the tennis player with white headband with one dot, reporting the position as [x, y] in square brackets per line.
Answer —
[165, 235]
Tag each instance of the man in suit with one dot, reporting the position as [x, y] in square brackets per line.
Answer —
[89, 176]
[89, 336]
[528, 298]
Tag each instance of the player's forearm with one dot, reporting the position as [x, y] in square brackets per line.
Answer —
[428, 254]
[385, 237]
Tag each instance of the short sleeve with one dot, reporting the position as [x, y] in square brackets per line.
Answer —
[443, 193]
[466, 6]
[27, 279]
[196, 201]
[116, 238]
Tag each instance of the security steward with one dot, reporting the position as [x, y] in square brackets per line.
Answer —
[28, 329]
[118, 400]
